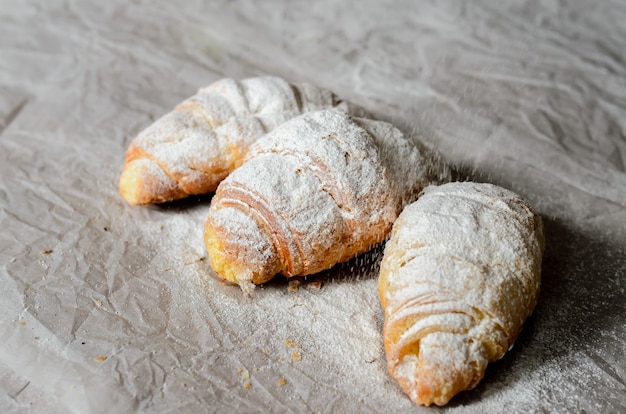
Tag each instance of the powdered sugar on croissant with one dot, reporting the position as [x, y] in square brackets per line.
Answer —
[459, 276]
[191, 149]
[314, 192]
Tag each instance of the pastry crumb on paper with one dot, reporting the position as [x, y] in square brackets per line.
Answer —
[315, 284]
[293, 285]
[290, 343]
[296, 356]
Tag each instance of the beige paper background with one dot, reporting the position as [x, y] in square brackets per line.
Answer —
[528, 95]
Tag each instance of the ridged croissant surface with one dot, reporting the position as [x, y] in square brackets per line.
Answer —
[460, 274]
[314, 192]
[191, 149]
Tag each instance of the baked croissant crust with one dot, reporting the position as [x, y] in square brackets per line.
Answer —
[191, 149]
[460, 274]
[312, 193]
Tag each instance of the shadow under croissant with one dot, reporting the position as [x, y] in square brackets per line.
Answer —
[362, 267]
[581, 299]
[579, 303]
[186, 204]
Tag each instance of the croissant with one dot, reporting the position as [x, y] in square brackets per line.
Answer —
[191, 149]
[314, 192]
[460, 274]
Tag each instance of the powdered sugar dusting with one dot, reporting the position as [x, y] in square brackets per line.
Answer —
[411, 164]
[207, 135]
[342, 158]
[464, 259]
[323, 188]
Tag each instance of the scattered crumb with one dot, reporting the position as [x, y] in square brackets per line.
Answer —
[245, 375]
[281, 382]
[289, 343]
[46, 252]
[98, 303]
[247, 385]
[293, 285]
[314, 284]
[265, 351]
[22, 323]
[296, 356]
[101, 358]
[239, 370]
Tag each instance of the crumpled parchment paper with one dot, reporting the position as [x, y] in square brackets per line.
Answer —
[108, 308]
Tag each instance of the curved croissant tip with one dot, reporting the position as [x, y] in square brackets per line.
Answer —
[246, 261]
[143, 182]
[423, 386]
[445, 365]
